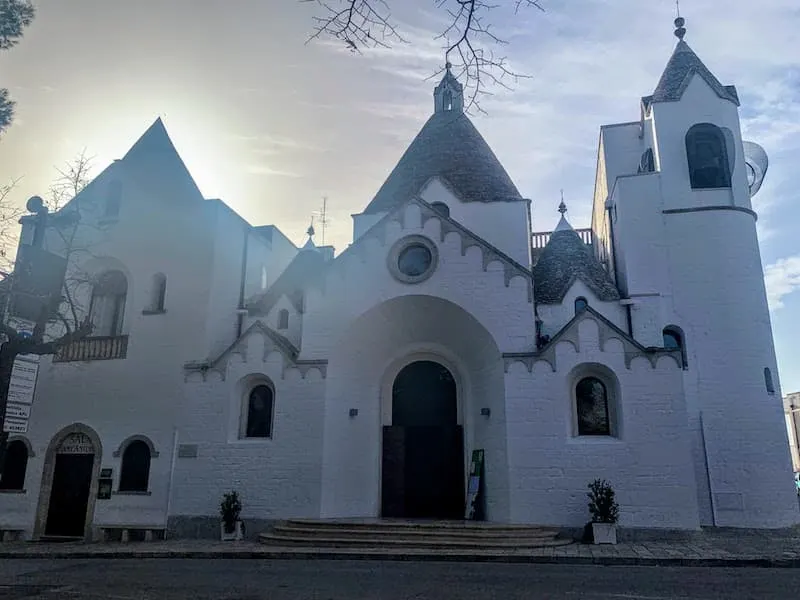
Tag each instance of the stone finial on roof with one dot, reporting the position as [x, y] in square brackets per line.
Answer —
[680, 30]
[310, 245]
[563, 224]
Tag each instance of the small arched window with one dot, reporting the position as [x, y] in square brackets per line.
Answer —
[591, 403]
[158, 292]
[441, 208]
[260, 403]
[580, 304]
[768, 381]
[263, 277]
[16, 464]
[108, 304]
[283, 319]
[647, 164]
[673, 340]
[134, 474]
[708, 157]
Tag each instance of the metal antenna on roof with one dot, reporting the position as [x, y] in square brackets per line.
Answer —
[324, 217]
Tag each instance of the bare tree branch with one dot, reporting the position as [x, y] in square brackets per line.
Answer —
[469, 42]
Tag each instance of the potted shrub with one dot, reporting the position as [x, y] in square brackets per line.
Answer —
[229, 509]
[604, 510]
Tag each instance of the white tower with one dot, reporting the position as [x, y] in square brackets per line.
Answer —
[713, 299]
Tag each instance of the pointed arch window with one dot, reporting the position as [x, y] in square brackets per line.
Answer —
[580, 304]
[707, 154]
[283, 319]
[107, 308]
[16, 465]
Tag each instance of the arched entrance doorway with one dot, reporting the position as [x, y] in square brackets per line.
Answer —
[423, 448]
[68, 504]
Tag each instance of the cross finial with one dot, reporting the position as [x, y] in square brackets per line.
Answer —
[562, 208]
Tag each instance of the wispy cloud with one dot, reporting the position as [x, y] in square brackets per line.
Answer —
[782, 278]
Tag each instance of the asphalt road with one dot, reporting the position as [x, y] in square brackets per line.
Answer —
[344, 580]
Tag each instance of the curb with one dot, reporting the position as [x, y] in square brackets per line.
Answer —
[783, 563]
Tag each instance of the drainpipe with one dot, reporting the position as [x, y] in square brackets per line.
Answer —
[169, 481]
[613, 247]
[708, 472]
[240, 312]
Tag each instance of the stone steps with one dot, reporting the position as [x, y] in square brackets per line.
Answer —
[409, 535]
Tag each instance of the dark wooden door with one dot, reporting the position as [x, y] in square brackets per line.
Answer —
[69, 497]
[393, 491]
[434, 473]
[423, 449]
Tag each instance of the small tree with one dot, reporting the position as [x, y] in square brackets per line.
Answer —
[15, 16]
[602, 503]
[229, 509]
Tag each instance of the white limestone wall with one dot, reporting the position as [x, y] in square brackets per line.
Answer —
[555, 316]
[360, 376]
[672, 120]
[648, 463]
[718, 296]
[505, 225]
[277, 477]
[360, 279]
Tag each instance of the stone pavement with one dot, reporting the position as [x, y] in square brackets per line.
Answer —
[711, 547]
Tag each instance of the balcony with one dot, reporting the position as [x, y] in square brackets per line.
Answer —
[93, 348]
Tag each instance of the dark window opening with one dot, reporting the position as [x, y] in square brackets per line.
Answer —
[259, 412]
[708, 157]
[283, 319]
[591, 400]
[768, 380]
[673, 340]
[107, 308]
[647, 164]
[441, 208]
[580, 304]
[159, 292]
[16, 464]
[135, 472]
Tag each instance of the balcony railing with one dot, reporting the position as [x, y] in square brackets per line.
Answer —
[93, 348]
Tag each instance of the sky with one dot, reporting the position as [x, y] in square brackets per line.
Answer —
[271, 124]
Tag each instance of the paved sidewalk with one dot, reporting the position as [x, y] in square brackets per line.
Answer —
[721, 547]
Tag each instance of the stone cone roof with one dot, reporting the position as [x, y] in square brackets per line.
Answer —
[682, 65]
[449, 146]
[564, 260]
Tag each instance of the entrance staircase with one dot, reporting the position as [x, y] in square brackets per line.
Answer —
[411, 536]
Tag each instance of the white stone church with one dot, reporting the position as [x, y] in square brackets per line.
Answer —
[638, 350]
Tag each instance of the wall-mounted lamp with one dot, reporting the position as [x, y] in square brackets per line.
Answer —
[485, 412]
[353, 412]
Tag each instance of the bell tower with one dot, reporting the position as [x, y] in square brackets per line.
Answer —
[448, 96]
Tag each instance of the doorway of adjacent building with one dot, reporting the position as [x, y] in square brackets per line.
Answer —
[69, 495]
[423, 448]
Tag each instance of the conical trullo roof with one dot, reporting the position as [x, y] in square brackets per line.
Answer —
[564, 260]
[682, 65]
[449, 146]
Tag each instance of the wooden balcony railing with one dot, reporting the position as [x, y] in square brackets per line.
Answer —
[93, 348]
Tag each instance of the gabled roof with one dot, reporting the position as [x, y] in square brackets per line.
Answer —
[565, 259]
[682, 66]
[306, 266]
[448, 145]
[156, 163]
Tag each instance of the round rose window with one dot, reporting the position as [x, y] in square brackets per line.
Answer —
[414, 260]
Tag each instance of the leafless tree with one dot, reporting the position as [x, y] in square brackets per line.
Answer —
[71, 322]
[469, 42]
[10, 212]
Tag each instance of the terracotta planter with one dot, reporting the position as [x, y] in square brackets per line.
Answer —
[604, 533]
